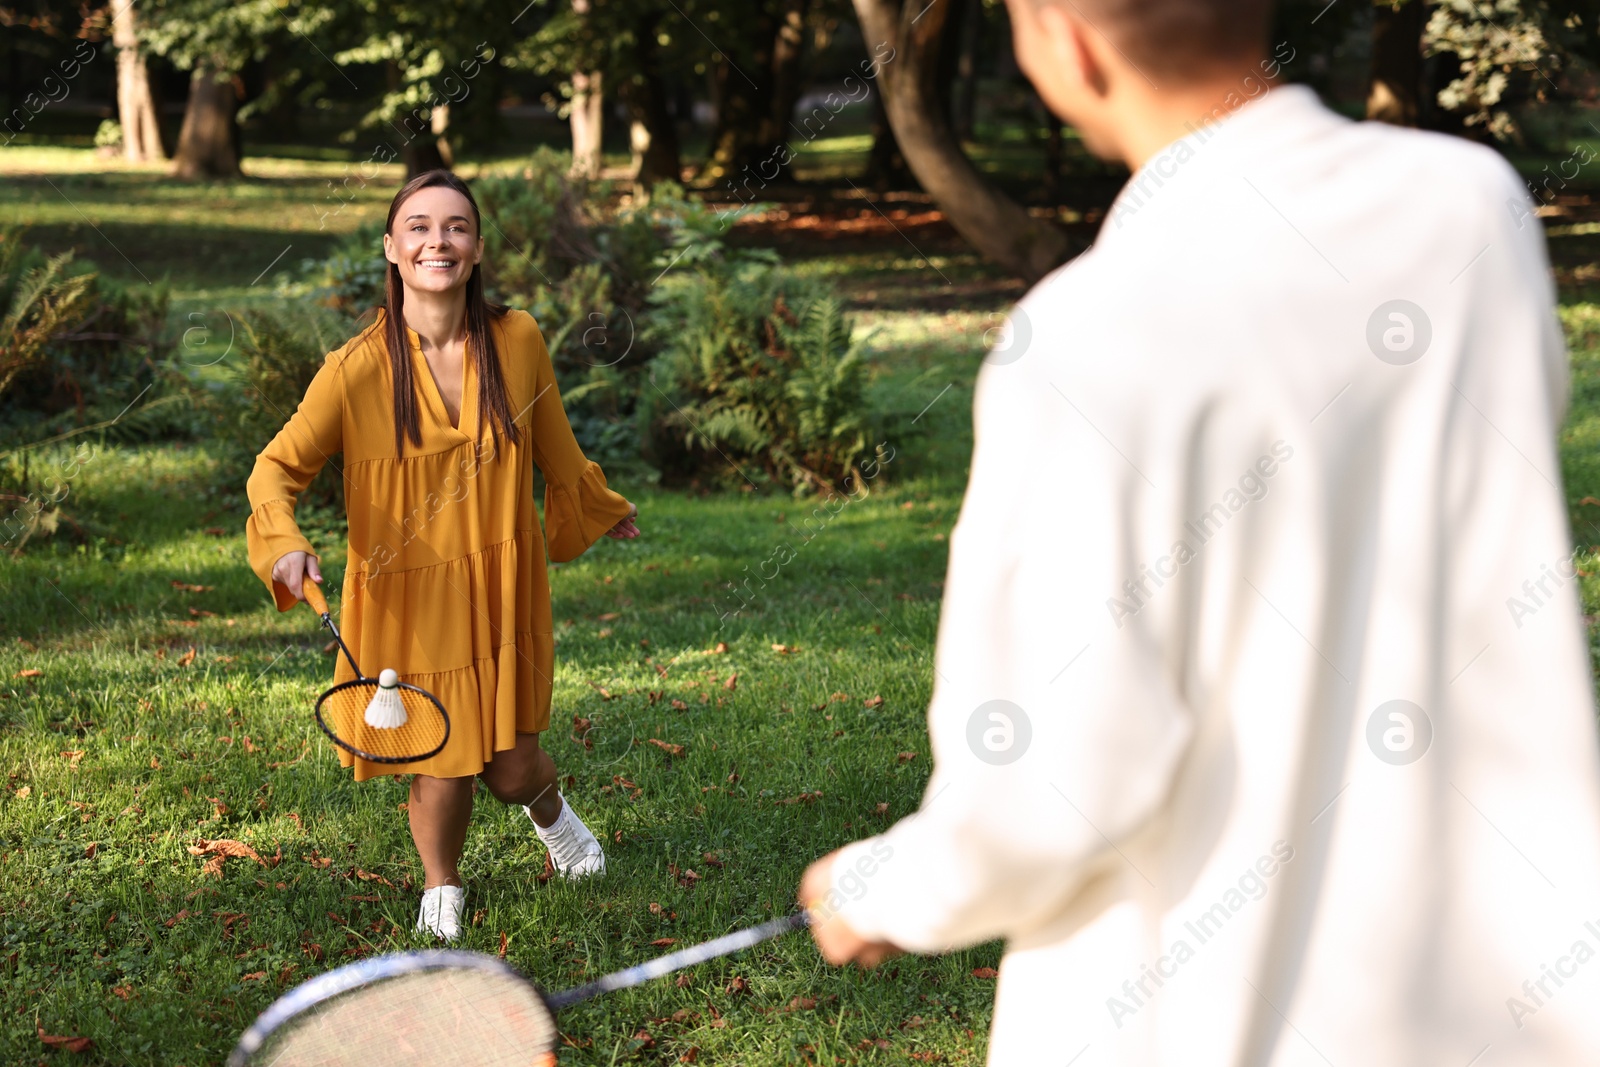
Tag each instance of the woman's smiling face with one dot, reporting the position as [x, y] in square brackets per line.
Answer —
[434, 240]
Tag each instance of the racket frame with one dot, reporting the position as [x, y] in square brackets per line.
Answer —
[353, 976]
[314, 599]
[354, 751]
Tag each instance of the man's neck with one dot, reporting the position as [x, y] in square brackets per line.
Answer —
[1147, 120]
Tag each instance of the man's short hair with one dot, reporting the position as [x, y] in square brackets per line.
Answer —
[1173, 41]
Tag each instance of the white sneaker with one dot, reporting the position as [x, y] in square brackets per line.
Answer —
[573, 849]
[441, 911]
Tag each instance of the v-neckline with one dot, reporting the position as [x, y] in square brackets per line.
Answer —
[441, 409]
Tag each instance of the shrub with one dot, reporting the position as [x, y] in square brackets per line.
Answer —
[76, 350]
[757, 372]
[278, 355]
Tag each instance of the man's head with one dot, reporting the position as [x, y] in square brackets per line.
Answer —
[1095, 61]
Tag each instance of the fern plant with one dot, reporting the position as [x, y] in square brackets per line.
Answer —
[758, 374]
[43, 302]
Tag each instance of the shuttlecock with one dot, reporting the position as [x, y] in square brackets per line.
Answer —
[386, 712]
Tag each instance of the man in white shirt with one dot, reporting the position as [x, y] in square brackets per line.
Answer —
[1262, 715]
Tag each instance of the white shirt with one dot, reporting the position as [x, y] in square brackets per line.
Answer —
[1305, 767]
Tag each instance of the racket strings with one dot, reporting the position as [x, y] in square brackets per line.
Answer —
[343, 709]
[424, 1019]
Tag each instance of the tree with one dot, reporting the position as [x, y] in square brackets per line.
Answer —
[1395, 87]
[136, 106]
[905, 41]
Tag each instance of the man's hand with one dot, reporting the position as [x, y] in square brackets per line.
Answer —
[836, 940]
[625, 529]
[293, 568]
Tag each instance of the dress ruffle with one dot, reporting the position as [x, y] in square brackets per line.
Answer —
[579, 514]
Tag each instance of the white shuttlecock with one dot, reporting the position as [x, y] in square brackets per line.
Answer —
[386, 712]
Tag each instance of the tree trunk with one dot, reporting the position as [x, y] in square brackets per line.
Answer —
[905, 41]
[587, 116]
[966, 96]
[588, 124]
[886, 164]
[742, 104]
[207, 147]
[136, 108]
[653, 133]
[1396, 86]
[785, 74]
[430, 150]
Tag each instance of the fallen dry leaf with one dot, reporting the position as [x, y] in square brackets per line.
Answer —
[985, 972]
[722, 647]
[667, 747]
[213, 866]
[711, 859]
[317, 861]
[123, 991]
[905, 757]
[199, 613]
[255, 976]
[502, 944]
[368, 876]
[663, 942]
[216, 531]
[66, 1044]
[678, 705]
[90, 849]
[25, 792]
[72, 757]
[874, 702]
[838, 698]
[732, 682]
[736, 986]
[187, 658]
[882, 808]
[224, 846]
[785, 650]
[31, 672]
[610, 616]
[191, 588]
[690, 1054]
[178, 918]
[801, 1004]
[803, 798]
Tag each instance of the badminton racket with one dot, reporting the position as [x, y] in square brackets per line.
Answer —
[422, 1009]
[380, 719]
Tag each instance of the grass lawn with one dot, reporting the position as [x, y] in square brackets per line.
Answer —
[151, 699]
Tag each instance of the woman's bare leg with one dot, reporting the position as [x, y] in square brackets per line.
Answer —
[526, 775]
[440, 809]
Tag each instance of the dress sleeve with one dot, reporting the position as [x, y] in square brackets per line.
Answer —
[284, 469]
[578, 508]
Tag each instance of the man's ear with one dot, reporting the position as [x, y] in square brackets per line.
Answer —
[1068, 39]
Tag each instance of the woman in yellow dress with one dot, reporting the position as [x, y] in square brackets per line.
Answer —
[441, 408]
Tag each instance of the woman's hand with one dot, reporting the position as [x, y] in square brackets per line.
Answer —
[293, 568]
[624, 530]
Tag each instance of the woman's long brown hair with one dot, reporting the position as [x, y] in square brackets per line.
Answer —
[492, 396]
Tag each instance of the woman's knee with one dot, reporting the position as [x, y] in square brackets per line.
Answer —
[513, 775]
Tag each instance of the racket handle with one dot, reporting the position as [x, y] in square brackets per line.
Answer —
[313, 594]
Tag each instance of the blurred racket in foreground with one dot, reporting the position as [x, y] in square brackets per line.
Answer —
[424, 1009]
[380, 719]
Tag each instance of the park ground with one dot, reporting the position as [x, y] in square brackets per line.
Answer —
[152, 702]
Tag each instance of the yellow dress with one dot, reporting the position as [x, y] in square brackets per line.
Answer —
[445, 580]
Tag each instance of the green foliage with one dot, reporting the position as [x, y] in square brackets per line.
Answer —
[108, 134]
[278, 355]
[78, 351]
[758, 376]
